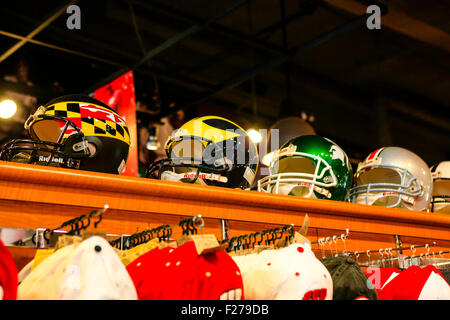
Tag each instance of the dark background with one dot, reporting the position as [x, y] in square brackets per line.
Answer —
[364, 88]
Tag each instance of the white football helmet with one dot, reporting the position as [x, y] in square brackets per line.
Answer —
[393, 177]
[441, 187]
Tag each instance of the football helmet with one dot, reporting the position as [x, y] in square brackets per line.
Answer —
[208, 150]
[309, 166]
[393, 177]
[441, 187]
[73, 131]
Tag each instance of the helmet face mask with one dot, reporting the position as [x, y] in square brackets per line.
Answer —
[46, 146]
[221, 155]
[393, 177]
[302, 173]
[66, 133]
[185, 169]
[386, 185]
[311, 167]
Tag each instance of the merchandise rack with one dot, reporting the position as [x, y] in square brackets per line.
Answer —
[34, 196]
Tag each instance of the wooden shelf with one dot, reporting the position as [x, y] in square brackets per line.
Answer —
[34, 196]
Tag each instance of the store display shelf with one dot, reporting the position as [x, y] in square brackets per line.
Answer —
[43, 197]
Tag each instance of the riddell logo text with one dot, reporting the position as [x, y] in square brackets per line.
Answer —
[192, 175]
[390, 194]
[55, 160]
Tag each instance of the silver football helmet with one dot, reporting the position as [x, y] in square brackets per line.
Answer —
[441, 187]
[393, 177]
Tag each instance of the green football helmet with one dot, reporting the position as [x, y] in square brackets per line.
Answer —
[309, 166]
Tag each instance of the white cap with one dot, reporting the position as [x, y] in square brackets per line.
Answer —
[435, 288]
[90, 270]
[291, 273]
[246, 262]
[25, 271]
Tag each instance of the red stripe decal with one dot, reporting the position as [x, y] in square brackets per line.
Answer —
[374, 154]
[99, 113]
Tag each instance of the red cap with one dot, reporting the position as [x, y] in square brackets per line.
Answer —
[8, 274]
[379, 276]
[416, 283]
[181, 274]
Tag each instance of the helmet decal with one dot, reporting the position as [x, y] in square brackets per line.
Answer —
[94, 120]
[374, 154]
[287, 150]
[338, 153]
[221, 124]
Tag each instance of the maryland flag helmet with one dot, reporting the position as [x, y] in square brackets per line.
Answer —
[309, 166]
[208, 150]
[73, 131]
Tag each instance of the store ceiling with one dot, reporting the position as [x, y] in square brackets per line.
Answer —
[366, 88]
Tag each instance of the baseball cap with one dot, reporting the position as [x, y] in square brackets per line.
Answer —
[290, 273]
[181, 274]
[25, 271]
[379, 277]
[8, 275]
[89, 270]
[417, 283]
[246, 262]
[349, 281]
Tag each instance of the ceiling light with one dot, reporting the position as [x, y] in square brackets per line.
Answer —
[254, 135]
[152, 143]
[7, 109]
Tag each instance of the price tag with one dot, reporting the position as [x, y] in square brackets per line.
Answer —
[205, 243]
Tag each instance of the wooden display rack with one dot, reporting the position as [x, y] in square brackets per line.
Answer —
[43, 197]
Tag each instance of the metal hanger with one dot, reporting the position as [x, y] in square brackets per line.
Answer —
[368, 258]
[253, 235]
[262, 234]
[321, 245]
[381, 258]
[335, 245]
[356, 257]
[329, 240]
[342, 237]
[269, 237]
[76, 225]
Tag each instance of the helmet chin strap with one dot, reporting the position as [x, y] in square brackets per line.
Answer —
[442, 207]
[172, 176]
[295, 190]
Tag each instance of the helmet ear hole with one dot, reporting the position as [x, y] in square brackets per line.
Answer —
[95, 145]
[92, 149]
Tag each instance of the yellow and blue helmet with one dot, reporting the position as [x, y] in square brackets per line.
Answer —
[208, 150]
